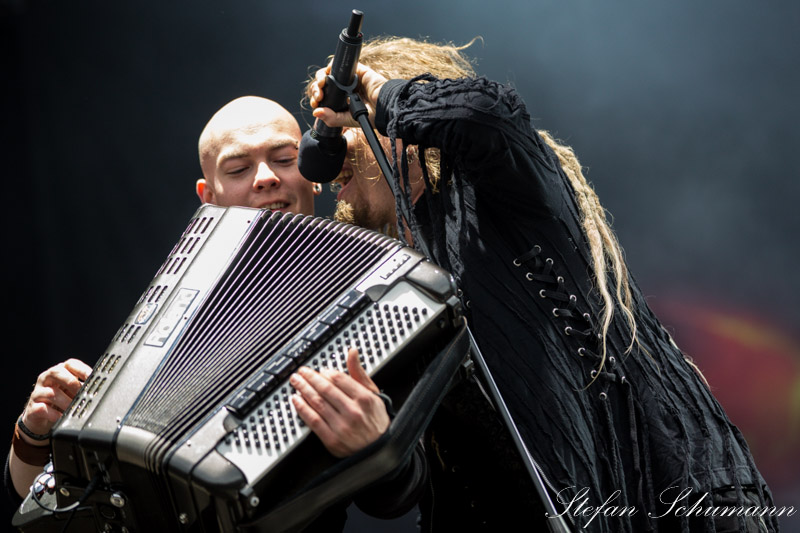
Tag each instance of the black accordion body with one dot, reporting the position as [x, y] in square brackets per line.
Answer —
[186, 422]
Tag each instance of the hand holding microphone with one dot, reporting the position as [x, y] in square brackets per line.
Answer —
[322, 149]
[370, 83]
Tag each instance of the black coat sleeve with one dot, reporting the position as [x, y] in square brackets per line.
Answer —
[482, 129]
[398, 492]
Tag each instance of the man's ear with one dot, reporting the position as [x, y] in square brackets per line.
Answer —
[206, 194]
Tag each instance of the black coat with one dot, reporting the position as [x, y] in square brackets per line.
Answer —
[507, 225]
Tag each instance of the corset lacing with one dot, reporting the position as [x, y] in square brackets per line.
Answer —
[581, 326]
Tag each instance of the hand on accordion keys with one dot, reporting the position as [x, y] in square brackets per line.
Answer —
[343, 410]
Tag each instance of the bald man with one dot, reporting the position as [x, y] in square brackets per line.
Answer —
[248, 155]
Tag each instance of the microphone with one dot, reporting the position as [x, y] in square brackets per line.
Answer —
[322, 149]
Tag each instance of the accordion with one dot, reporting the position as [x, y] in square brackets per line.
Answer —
[186, 422]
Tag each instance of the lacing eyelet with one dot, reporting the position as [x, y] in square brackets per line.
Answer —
[549, 261]
[573, 298]
[516, 263]
[586, 316]
[560, 279]
[593, 374]
[555, 312]
[541, 293]
[612, 360]
[603, 395]
[568, 330]
[622, 380]
[581, 351]
[538, 248]
[529, 276]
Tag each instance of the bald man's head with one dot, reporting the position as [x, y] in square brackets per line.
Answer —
[248, 153]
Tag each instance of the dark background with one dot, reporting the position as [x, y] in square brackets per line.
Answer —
[683, 112]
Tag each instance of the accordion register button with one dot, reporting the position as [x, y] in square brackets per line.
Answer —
[261, 384]
[280, 367]
[353, 300]
[334, 315]
[317, 333]
[242, 401]
[298, 349]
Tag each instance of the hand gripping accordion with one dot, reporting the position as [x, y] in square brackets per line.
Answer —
[186, 422]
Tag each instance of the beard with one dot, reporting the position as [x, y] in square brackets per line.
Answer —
[344, 213]
[351, 214]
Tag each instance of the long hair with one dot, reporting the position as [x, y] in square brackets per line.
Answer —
[404, 58]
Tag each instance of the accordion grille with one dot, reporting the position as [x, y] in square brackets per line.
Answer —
[287, 271]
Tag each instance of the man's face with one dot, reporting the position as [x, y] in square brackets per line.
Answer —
[364, 197]
[255, 165]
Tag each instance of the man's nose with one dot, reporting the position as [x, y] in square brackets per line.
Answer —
[265, 177]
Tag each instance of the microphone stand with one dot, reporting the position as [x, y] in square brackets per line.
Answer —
[555, 520]
[359, 111]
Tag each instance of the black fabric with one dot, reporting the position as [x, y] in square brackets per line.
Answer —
[477, 481]
[507, 225]
[12, 499]
[390, 497]
[398, 492]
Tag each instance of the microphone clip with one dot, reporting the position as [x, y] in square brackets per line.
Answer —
[349, 90]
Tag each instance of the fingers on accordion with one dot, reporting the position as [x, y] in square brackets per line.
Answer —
[344, 414]
[358, 373]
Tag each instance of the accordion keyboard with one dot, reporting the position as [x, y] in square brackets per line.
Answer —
[270, 427]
